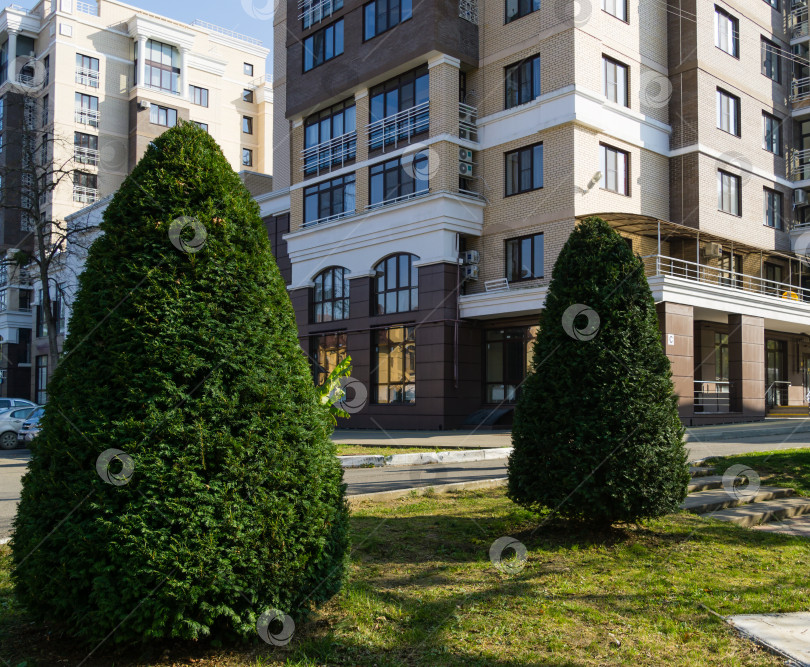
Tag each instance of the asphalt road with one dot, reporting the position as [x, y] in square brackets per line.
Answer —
[12, 467]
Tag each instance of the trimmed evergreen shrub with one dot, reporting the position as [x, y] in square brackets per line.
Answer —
[188, 362]
[596, 432]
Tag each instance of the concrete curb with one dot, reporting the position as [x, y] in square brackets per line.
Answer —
[422, 490]
[417, 458]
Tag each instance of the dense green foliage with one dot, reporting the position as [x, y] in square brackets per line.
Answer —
[189, 362]
[596, 433]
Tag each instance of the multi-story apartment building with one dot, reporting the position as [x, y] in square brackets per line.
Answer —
[103, 79]
[439, 154]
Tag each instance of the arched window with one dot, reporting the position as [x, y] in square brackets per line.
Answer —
[331, 296]
[396, 285]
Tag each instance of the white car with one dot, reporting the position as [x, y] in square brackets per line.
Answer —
[11, 422]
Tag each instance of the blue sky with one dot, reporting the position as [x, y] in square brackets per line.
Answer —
[249, 17]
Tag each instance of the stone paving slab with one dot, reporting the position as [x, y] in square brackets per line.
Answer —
[718, 499]
[760, 512]
[787, 634]
[798, 526]
[705, 483]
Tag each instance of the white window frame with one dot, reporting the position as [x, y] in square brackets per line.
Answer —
[729, 193]
[726, 32]
[728, 112]
[617, 8]
[614, 163]
[615, 77]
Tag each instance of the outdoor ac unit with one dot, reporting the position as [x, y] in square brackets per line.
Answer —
[470, 257]
[800, 197]
[465, 169]
[466, 116]
[144, 104]
[713, 250]
[467, 133]
[465, 155]
[471, 272]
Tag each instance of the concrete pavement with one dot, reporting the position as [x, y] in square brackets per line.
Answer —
[12, 467]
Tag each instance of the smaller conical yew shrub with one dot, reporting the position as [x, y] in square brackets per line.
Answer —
[597, 435]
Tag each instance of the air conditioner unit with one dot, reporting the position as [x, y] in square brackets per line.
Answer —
[467, 133]
[465, 155]
[465, 169]
[471, 272]
[470, 257]
[466, 116]
[144, 104]
[800, 197]
[712, 250]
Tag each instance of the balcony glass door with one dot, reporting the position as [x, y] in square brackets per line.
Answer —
[776, 385]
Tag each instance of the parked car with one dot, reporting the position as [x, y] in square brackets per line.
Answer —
[8, 403]
[11, 422]
[30, 427]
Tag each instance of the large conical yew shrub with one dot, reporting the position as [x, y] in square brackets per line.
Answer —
[184, 355]
[597, 435]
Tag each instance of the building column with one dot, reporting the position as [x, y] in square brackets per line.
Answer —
[183, 77]
[141, 60]
[444, 75]
[12, 55]
[676, 322]
[746, 364]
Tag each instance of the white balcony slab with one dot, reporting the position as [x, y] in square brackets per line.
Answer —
[504, 303]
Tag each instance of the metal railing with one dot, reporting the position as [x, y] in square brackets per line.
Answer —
[330, 218]
[467, 119]
[168, 91]
[330, 153]
[660, 265]
[468, 10]
[87, 7]
[798, 165]
[87, 77]
[224, 31]
[314, 11]
[797, 22]
[712, 396]
[399, 126]
[87, 116]
[800, 89]
[84, 194]
[398, 200]
[85, 155]
[777, 393]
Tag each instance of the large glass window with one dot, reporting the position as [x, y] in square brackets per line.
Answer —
[522, 82]
[516, 9]
[772, 134]
[329, 199]
[394, 365]
[162, 66]
[771, 61]
[198, 95]
[396, 285]
[382, 15]
[393, 97]
[726, 32]
[330, 297]
[729, 193]
[41, 387]
[162, 116]
[87, 109]
[731, 269]
[87, 70]
[524, 258]
[323, 45]
[398, 178]
[325, 129]
[508, 359]
[85, 148]
[721, 357]
[524, 169]
[614, 81]
[328, 350]
[247, 125]
[315, 11]
[614, 165]
[728, 112]
[617, 8]
[773, 208]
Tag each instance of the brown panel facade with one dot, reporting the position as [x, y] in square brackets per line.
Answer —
[676, 322]
[746, 364]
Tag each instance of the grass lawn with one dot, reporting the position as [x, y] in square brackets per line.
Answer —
[345, 450]
[785, 467]
[422, 591]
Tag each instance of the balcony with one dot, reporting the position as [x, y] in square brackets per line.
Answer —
[84, 194]
[468, 10]
[87, 77]
[399, 127]
[205, 25]
[87, 116]
[467, 122]
[90, 8]
[85, 155]
[330, 218]
[331, 153]
[314, 11]
[398, 200]
[797, 23]
[798, 165]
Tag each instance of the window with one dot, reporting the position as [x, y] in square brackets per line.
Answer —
[382, 15]
[773, 208]
[524, 169]
[409, 91]
[46, 102]
[728, 112]
[162, 66]
[41, 322]
[773, 274]
[771, 61]
[329, 199]
[522, 82]
[774, 4]
[162, 116]
[772, 136]
[516, 9]
[3, 299]
[46, 62]
[396, 285]
[315, 11]
[508, 359]
[87, 109]
[394, 365]
[720, 357]
[202, 126]
[614, 81]
[247, 96]
[24, 342]
[247, 69]
[524, 258]
[85, 148]
[24, 297]
[87, 70]
[327, 126]
[198, 95]
[328, 351]
[731, 267]
[42, 379]
[617, 8]
[323, 45]
[247, 157]
[247, 125]
[393, 179]
[2, 111]
[729, 193]
[85, 187]
[330, 296]
[614, 165]
[726, 32]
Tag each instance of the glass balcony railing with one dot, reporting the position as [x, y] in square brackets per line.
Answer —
[84, 194]
[87, 116]
[331, 153]
[87, 77]
[399, 127]
[86, 155]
